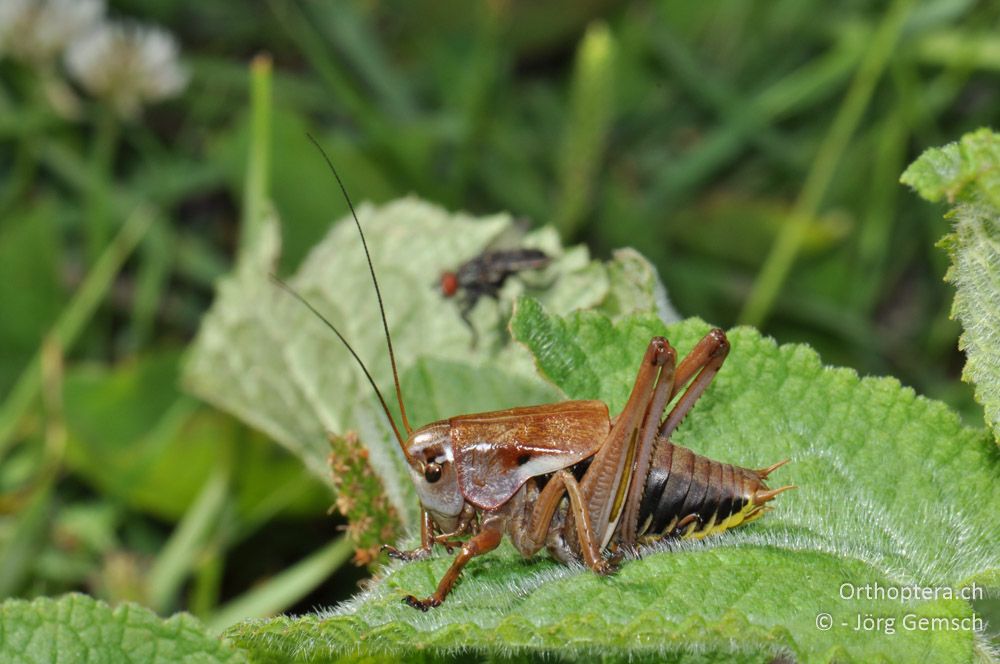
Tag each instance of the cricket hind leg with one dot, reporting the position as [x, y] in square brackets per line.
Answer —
[604, 485]
[702, 363]
[662, 392]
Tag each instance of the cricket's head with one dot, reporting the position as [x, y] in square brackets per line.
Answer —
[432, 467]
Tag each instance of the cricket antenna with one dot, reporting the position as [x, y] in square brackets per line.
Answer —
[340, 336]
[378, 291]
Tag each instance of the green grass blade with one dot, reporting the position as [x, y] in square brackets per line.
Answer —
[175, 562]
[592, 109]
[284, 589]
[73, 319]
[256, 194]
[786, 247]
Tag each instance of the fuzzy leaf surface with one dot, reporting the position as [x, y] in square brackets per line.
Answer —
[77, 628]
[893, 490]
[265, 358]
[967, 175]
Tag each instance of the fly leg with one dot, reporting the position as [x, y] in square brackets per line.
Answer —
[468, 302]
[473, 292]
[485, 541]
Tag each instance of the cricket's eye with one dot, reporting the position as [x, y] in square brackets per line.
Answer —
[432, 472]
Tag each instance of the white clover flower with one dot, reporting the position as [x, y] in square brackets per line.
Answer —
[37, 31]
[127, 65]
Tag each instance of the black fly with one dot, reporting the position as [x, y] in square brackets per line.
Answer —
[485, 275]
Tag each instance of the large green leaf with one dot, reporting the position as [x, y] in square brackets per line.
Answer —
[77, 628]
[134, 435]
[893, 490]
[967, 175]
[262, 356]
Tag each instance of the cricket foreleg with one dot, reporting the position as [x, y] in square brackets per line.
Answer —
[450, 540]
[486, 540]
[427, 540]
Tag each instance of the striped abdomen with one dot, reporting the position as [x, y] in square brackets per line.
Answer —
[691, 496]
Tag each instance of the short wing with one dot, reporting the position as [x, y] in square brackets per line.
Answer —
[496, 453]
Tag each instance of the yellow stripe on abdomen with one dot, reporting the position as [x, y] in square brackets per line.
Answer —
[749, 512]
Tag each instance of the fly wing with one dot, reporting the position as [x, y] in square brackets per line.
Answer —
[496, 453]
[517, 260]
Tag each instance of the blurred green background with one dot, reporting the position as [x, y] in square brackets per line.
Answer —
[751, 150]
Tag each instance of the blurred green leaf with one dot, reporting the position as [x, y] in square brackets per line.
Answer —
[752, 594]
[81, 534]
[354, 33]
[277, 593]
[72, 320]
[969, 47]
[967, 175]
[76, 628]
[188, 540]
[741, 230]
[836, 140]
[137, 438]
[22, 538]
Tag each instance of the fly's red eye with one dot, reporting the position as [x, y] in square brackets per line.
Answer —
[449, 284]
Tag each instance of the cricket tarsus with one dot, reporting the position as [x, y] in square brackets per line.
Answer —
[398, 554]
[378, 291]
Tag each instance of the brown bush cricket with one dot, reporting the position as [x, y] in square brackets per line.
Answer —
[566, 476]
